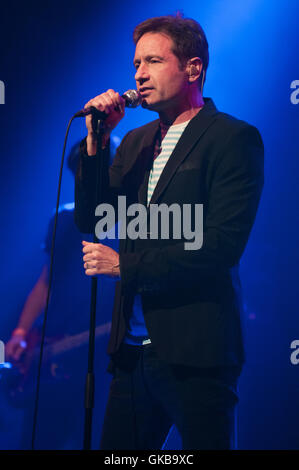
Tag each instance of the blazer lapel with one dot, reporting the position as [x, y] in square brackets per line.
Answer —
[192, 133]
[146, 155]
[139, 159]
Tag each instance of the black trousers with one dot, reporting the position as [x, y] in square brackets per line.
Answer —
[147, 396]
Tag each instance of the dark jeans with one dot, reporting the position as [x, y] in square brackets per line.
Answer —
[147, 396]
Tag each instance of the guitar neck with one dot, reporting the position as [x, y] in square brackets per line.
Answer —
[73, 342]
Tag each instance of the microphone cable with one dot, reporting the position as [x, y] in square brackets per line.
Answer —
[35, 412]
[132, 99]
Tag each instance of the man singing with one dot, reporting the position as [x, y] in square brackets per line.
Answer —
[176, 340]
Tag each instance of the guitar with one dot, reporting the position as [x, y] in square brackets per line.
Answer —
[19, 377]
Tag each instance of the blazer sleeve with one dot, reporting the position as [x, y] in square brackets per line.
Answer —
[234, 194]
[86, 182]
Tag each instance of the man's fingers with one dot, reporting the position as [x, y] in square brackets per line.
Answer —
[96, 272]
[90, 255]
[106, 102]
[99, 259]
[90, 264]
[89, 247]
[91, 272]
[118, 101]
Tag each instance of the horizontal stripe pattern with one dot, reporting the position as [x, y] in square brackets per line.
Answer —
[167, 147]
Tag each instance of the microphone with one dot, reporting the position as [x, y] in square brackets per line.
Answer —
[132, 100]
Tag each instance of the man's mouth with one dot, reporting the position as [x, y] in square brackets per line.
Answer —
[144, 90]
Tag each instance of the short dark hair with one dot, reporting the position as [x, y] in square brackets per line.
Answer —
[188, 37]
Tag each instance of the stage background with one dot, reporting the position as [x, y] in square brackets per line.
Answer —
[55, 56]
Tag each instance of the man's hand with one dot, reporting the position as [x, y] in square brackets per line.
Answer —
[100, 259]
[113, 105]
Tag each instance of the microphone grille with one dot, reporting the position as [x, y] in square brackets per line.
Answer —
[132, 97]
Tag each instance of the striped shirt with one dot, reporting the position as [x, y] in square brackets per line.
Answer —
[168, 143]
[137, 332]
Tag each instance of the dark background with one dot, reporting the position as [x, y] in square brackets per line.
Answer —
[55, 56]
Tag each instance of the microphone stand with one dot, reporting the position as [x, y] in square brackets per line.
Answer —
[90, 380]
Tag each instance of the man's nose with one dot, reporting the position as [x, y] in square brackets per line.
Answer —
[141, 74]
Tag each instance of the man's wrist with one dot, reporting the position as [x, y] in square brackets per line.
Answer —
[92, 142]
[116, 270]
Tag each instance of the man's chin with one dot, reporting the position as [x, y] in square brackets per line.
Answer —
[146, 104]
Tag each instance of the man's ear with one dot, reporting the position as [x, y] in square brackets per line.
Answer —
[194, 68]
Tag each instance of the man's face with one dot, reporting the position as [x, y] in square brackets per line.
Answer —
[160, 79]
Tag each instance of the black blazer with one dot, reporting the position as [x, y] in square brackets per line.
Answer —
[191, 299]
